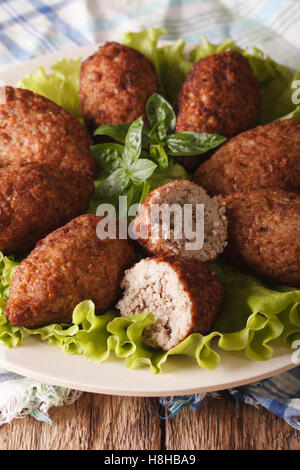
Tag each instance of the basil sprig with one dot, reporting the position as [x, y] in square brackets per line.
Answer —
[191, 143]
[124, 164]
[119, 132]
[160, 140]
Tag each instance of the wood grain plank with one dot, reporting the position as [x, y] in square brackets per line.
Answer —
[109, 423]
[70, 429]
[218, 425]
[93, 422]
[125, 423]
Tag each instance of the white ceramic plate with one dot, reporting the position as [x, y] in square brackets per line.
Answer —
[39, 361]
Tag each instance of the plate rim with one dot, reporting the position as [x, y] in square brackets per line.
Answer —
[122, 392]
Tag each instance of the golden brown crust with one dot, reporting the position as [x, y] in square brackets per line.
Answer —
[70, 265]
[36, 199]
[34, 129]
[264, 234]
[265, 157]
[220, 95]
[115, 84]
[204, 290]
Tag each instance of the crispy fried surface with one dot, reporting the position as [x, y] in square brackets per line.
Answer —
[264, 233]
[115, 84]
[34, 129]
[265, 157]
[181, 293]
[219, 96]
[204, 290]
[36, 199]
[70, 265]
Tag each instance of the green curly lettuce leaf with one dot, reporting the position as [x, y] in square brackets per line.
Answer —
[61, 85]
[172, 66]
[253, 316]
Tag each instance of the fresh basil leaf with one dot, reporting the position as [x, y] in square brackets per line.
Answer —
[158, 133]
[145, 192]
[158, 154]
[192, 143]
[113, 185]
[123, 209]
[141, 170]
[116, 131]
[119, 131]
[145, 138]
[160, 111]
[133, 142]
[109, 156]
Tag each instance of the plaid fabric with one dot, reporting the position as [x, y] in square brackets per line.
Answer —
[29, 28]
[280, 395]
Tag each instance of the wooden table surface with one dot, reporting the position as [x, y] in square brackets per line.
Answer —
[109, 423]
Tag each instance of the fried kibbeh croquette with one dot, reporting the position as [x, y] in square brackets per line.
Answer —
[69, 266]
[115, 84]
[36, 199]
[220, 95]
[264, 157]
[149, 230]
[264, 234]
[34, 129]
[181, 293]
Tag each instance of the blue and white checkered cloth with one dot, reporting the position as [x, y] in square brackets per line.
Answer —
[29, 28]
[280, 395]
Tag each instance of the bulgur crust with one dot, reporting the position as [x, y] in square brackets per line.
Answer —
[201, 287]
[265, 157]
[220, 95]
[70, 265]
[204, 290]
[34, 129]
[264, 234]
[115, 84]
[36, 199]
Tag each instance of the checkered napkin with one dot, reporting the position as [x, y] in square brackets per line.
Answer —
[279, 394]
[29, 28]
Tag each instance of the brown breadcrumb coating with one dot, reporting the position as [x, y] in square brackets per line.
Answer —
[220, 95]
[36, 199]
[264, 233]
[34, 129]
[181, 293]
[69, 266]
[115, 84]
[204, 290]
[265, 157]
